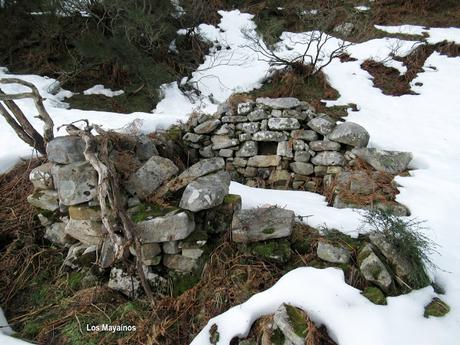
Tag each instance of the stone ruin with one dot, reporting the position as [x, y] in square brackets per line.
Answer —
[283, 143]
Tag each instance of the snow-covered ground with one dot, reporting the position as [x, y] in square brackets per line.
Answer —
[426, 124]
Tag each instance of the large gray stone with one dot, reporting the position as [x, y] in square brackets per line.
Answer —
[329, 158]
[284, 149]
[350, 133]
[192, 137]
[179, 263]
[172, 227]
[234, 119]
[302, 168]
[150, 176]
[393, 162]
[333, 254]
[66, 149]
[123, 282]
[245, 107]
[150, 253]
[279, 103]
[283, 123]
[269, 136]
[206, 192]
[260, 224]
[373, 268]
[145, 148]
[41, 177]
[207, 127]
[302, 116]
[248, 127]
[304, 134]
[55, 233]
[257, 115]
[222, 142]
[76, 182]
[203, 167]
[322, 145]
[44, 199]
[264, 161]
[247, 149]
[321, 125]
[86, 231]
[302, 156]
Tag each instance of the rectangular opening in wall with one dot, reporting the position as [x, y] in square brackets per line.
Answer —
[267, 148]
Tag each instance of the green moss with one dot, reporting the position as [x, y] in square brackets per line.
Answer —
[276, 251]
[298, 320]
[268, 231]
[145, 211]
[31, 329]
[277, 337]
[74, 336]
[74, 280]
[231, 198]
[436, 308]
[375, 295]
[174, 133]
[181, 282]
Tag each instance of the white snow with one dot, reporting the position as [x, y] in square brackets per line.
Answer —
[435, 35]
[362, 8]
[426, 125]
[102, 90]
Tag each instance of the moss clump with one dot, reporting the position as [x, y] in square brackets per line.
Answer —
[231, 198]
[145, 211]
[298, 320]
[174, 133]
[276, 251]
[31, 329]
[268, 231]
[74, 280]
[181, 282]
[436, 308]
[375, 295]
[277, 337]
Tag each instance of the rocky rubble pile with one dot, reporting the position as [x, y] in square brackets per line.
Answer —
[283, 143]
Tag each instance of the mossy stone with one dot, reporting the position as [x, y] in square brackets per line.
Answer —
[145, 211]
[275, 251]
[298, 320]
[436, 308]
[375, 295]
[277, 337]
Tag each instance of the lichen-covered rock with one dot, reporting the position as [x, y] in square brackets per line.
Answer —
[150, 176]
[322, 145]
[44, 199]
[248, 127]
[201, 168]
[279, 103]
[292, 322]
[284, 149]
[373, 268]
[234, 119]
[333, 254]
[150, 253]
[192, 137]
[329, 158]
[259, 224]
[171, 247]
[282, 123]
[269, 136]
[393, 162]
[206, 192]
[222, 142]
[145, 148]
[245, 108]
[350, 133]
[257, 115]
[84, 212]
[263, 161]
[76, 183]
[55, 233]
[247, 149]
[302, 168]
[86, 231]
[207, 127]
[41, 177]
[305, 134]
[172, 227]
[302, 156]
[121, 281]
[321, 125]
[66, 149]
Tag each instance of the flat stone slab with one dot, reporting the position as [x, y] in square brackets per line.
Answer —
[393, 162]
[350, 133]
[203, 167]
[321, 125]
[269, 136]
[86, 231]
[260, 224]
[207, 127]
[329, 158]
[333, 254]
[279, 103]
[66, 149]
[283, 123]
[41, 176]
[179, 263]
[173, 227]
[264, 161]
[45, 200]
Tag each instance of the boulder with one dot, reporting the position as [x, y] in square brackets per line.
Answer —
[207, 127]
[206, 192]
[269, 136]
[373, 268]
[41, 177]
[66, 149]
[393, 162]
[321, 125]
[76, 183]
[172, 227]
[260, 224]
[247, 149]
[350, 133]
[263, 161]
[322, 145]
[304, 134]
[151, 176]
[86, 231]
[279, 103]
[44, 199]
[329, 158]
[302, 168]
[283, 124]
[333, 254]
